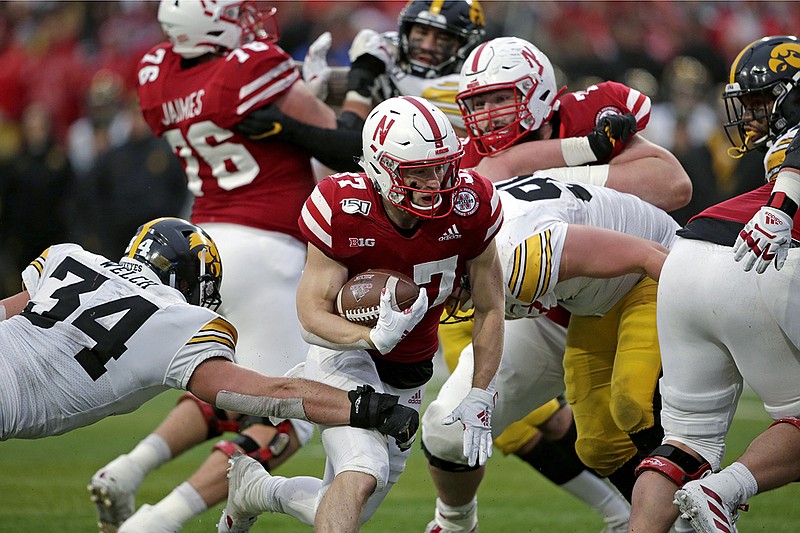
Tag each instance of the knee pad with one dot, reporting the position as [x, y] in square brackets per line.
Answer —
[216, 419]
[245, 444]
[602, 455]
[629, 414]
[447, 466]
[680, 467]
[554, 461]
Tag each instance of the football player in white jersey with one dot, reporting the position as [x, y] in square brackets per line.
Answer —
[710, 349]
[77, 344]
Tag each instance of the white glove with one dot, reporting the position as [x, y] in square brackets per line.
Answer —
[372, 43]
[316, 71]
[393, 325]
[475, 413]
[765, 239]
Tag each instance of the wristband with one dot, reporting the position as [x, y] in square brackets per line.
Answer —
[786, 192]
[589, 174]
[577, 151]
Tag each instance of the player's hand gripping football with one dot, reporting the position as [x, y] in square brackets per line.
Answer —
[374, 410]
[316, 71]
[608, 131]
[475, 413]
[393, 325]
[768, 236]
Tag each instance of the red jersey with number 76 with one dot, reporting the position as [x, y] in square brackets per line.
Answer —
[344, 217]
[261, 184]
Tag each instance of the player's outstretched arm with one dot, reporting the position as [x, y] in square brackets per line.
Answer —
[233, 387]
[614, 254]
[652, 173]
[13, 305]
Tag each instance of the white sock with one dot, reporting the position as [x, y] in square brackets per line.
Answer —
[457, 518]
[600, 495]
[296, 496]
[182, 504]
[150, 453]
[743, 478]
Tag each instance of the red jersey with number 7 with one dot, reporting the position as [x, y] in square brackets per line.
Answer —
[344, 217]
[237, 180]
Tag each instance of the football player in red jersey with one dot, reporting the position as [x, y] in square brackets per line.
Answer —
[519, 122]
[220, 64]
[414, 211]
[742, 326]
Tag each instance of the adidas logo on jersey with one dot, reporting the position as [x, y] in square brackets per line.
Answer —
[450, 234]
[416, 399]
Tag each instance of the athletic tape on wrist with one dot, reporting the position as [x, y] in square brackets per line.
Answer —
[261, 405]
[577, 151]
[591, 174]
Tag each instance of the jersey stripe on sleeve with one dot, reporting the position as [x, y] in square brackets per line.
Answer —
[218, 331]
[264, 87]
[318, 217]
[530, 275]
[638, 103]
[497, 215]
[38, 263]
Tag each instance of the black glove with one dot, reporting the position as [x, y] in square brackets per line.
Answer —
[363, 73]
[608, 131]
[373, 410]
[268, 121]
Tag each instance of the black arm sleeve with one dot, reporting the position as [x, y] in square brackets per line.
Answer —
[337, 149]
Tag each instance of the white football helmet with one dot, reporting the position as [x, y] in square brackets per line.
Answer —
[406, 133]
[505, 63]
[198, 27]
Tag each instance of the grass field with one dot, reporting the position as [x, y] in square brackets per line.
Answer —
[42, 485]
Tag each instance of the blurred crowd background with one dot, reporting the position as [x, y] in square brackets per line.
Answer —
[78, 163]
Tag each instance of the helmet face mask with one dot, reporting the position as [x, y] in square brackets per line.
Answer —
[196, 28]
[762, 98]
[507, 89]
[408, 144]
[183, 256]
[457, 28]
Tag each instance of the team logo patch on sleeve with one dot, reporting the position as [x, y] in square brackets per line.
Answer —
[465, 202]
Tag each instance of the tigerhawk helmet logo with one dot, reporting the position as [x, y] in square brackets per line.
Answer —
[199, 244]
[784, 56]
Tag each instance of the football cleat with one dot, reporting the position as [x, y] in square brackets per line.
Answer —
[706, 509]
[113, 490]
[434, 527]
[149, 519]
[236, 518]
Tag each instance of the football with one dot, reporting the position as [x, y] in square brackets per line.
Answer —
[359, 299]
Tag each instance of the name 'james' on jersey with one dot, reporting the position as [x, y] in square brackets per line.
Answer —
[345, 218]
[104, 337]
[261, 184]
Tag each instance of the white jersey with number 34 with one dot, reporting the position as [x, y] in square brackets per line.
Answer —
[97, 338]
